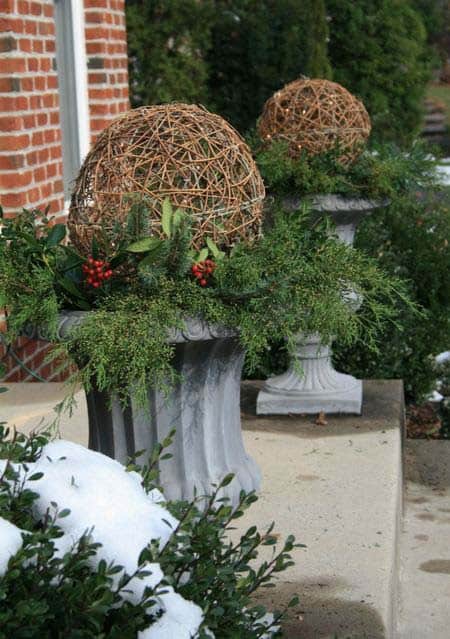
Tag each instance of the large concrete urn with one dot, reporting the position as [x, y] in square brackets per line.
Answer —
[319, 387]
[204, 408]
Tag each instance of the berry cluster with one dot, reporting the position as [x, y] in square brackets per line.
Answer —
[96, 272]
[203, 271]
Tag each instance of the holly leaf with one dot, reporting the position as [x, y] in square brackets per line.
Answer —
[167, 217]
[213, 248]
[202, 255]
[56, 235]
[145, 245]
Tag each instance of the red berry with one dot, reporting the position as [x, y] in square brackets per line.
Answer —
[90, 260]
[203, 282]
[96, 284]
[89, 280]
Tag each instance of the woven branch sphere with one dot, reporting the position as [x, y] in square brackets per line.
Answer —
[176, 151]
[314, 116]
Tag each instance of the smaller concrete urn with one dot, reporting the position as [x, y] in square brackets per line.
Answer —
[319, 387]
[204, 409]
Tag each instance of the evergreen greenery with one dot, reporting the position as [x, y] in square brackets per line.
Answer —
[295, 278]
[410, 239]
[378, 51]
[383, 172]
[47, 596]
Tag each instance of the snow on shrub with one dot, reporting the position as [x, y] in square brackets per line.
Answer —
[89, 547]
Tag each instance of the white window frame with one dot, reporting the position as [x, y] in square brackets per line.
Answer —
[72, 69]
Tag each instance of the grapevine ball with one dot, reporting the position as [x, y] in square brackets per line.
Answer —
[176, 151]
[315, 116]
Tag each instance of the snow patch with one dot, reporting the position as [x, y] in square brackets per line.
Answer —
[10, 542]
[113, 507]
[443, 357]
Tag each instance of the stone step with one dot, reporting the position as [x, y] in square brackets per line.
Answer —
[424, 591]
[338, 488]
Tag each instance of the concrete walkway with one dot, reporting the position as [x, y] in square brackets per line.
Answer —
[336, 487]
[425, 542]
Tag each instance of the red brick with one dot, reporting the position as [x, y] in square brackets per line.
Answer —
[13, 200]
[36, 9]
[11, 123]
[27, 84]
[23, 6]
[15, 180]
[7, 6]
[97, 78]
[33, 195]
[39, 174]
[29, 121]
[46, 190]
[31, 27]
[97, 33]
[54, 117]
[35, 101]
[8, 24]
[14, 142]
[94, 4]
[42, 118]
[45, 64]
[37, 138]
[40, 83]
[12, 65]
[52, 81]
[48, 10]
[11, 162]
[43, 155]
[32, 64]
[32, 158]
[55, 152]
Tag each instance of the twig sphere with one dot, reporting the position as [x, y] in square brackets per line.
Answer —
[314, 116]
[176, 151]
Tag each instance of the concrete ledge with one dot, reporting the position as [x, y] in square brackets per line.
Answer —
[336, 487]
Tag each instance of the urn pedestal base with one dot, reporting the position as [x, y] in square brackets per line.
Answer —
[204, 409]
[318, 388]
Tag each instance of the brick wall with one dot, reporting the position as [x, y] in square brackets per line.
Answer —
[30, 132]
[30, 135]
[106, 51]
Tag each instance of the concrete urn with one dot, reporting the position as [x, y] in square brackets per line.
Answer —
[320, 388]
[204, 409]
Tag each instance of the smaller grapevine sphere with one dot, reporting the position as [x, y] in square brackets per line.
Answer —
[315, 116]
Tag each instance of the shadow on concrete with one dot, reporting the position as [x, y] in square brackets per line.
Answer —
[383, 409]
[428, 462]
[322, 614]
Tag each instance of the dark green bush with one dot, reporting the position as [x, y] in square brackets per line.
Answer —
[257, 47]
[410, 238]
[230, 55]
[167, 41]
[378, 51]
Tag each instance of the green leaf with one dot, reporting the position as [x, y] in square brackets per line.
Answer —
[177, 218]
[167, 217]
[147, 244]
[202, 255]
[56, 235]
[213, 248]
[70, 287]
